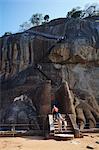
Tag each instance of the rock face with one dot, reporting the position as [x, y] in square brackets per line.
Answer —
[63, 49]
[21, 111]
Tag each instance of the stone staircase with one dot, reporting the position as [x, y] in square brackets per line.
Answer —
[54, 128]
[69, 126]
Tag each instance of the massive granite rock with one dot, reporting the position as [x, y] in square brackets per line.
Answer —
[63, 49]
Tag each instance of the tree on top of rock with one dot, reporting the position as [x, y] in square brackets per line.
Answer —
[25, 26]
[74, 13]
[92, 10]
[36, 19]
[89, 11]
[46, 18]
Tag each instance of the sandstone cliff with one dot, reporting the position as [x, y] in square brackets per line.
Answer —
[78, 53]
[63, 49]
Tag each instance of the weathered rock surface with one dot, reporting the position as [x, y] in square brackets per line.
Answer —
[21, 111]
[84, 110]
[28, 58]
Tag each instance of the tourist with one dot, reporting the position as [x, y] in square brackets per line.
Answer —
[58, 117]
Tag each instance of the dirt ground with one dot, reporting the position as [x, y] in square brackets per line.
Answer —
[38, 143]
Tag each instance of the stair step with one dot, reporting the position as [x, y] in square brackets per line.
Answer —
[68, 128]
[55, 121]
[64, 119]
[67, 131]
[68, 125]
[62, 126]
[56, 125]
[64, 135]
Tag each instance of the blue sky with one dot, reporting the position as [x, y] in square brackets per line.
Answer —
[15, 12]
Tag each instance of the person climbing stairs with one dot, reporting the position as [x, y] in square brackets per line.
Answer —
[55, 130]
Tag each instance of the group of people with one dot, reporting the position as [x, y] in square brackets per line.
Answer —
[57, 116]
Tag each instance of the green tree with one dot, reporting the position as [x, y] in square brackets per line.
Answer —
[7, 33]
[74, 13]
[36, 19]
[92, 10]
[25, 26]
[46, 18]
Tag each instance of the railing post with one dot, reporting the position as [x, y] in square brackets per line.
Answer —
[13, 129]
